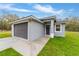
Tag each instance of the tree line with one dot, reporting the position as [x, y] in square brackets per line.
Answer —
[72, 23]
[5, 21]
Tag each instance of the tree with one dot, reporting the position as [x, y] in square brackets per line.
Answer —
[6, 19]
[72, 24]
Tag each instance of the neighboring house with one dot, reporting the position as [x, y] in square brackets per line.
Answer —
[32, 28]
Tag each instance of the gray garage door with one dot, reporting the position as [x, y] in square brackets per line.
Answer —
[20, 30]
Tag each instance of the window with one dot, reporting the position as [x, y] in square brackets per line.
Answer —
[58, 27]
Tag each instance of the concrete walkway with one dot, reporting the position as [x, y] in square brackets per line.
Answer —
[25, 47]
[37, 45]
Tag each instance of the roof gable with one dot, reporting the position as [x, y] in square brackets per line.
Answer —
[26, 19]
[46, 19]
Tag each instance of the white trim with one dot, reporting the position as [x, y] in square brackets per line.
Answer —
[12, 30]
[20, 22]
[28, 30]
[45, 30]
[52, 29]
[60, 27]
[25, 19]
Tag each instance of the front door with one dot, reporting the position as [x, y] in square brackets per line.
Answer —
[47, 29]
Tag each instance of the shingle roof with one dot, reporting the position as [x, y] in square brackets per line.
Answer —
[48, 18]
[24, 19]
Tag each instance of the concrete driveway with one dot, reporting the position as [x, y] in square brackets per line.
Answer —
[5, 43]
[23, 46]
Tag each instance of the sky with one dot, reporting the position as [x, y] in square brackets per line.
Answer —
[61, 10]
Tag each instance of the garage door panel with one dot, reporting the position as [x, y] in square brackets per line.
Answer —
[20, 30]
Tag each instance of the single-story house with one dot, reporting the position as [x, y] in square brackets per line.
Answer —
[31, 27]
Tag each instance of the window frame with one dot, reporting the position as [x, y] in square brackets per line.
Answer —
[56, 27]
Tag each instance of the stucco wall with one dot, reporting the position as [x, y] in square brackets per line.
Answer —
[35, 30]
[62, 32]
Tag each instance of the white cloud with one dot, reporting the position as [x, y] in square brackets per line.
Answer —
[11, 8]
[61, 13]
[71, 10]
[48, 9]
[38, 8]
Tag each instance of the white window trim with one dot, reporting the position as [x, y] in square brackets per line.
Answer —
[60, 28]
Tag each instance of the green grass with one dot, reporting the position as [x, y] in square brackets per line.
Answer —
[58, 46]
[5, 34]
[9, 52]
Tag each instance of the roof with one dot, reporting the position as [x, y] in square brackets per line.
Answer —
[45, 19]
[62, 22]
[25, 19]
[48, 18]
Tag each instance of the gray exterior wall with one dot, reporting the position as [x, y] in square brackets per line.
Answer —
[21, 30]
[35, 30]
[62, 32]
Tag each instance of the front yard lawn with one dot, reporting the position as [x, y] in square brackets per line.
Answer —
[9, 52]
[58, 46]
[5, 34]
